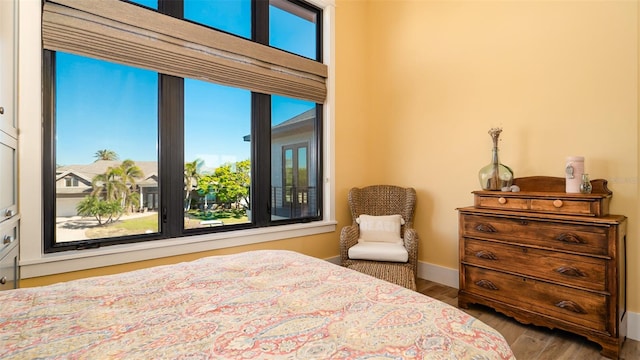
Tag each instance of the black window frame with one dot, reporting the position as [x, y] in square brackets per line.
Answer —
[171, 149]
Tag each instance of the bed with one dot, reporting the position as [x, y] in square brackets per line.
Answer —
[267, 304]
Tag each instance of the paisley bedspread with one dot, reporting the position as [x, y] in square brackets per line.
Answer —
[267, 304]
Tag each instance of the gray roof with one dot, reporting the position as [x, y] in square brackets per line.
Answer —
[89, 171]
[300, 118]
[64, 173]
[296, 123]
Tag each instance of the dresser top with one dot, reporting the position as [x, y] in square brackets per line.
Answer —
[551, 187]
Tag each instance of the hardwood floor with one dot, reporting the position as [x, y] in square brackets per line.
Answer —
[530, 342]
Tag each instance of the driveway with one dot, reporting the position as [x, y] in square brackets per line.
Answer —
[72, 228]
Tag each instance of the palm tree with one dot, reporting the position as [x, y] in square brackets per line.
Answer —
[110, 183]
[191, 177]
[118, 183]
[105, 155]
[129, 172]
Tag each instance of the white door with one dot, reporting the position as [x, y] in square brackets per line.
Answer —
[7, 73]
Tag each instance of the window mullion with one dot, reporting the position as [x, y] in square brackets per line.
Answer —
[261, 127]
[260, 21]
[261, 158]
[171, 141]
[171, 7]
[317, 160]
[171, 145]
[49, 161]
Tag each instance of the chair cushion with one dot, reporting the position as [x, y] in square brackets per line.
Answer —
[379, 251]
[380, 228]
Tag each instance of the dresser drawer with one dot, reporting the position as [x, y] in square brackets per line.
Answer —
[501, 202]
[567, 269]
[561, 204]
[561, 236]
[566, 304]
[8, 235]
[8, 179]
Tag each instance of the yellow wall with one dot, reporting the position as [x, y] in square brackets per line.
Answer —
[419, 84]
[560, 77]
[318, 246]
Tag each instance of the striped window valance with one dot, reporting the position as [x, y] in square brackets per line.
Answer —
[124, 33]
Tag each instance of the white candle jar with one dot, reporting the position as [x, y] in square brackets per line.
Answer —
[574, 168]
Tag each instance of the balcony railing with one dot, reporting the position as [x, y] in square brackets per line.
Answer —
[294, 201]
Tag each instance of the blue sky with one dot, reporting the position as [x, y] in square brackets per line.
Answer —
[102, 105]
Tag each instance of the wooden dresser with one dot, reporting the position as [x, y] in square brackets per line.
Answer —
[548, 258]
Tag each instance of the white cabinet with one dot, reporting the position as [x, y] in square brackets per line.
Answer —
[8, 130]
[9, 215]
[8, 122]
[8, 178]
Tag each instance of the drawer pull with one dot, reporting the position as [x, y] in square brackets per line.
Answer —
[486, 228]
[570, 271]
[7, 239]
[571, 306]
[483, 254]
[8, 213]
[486, 284]
[557, 203]
[502, 200]
[569, 238]
[3, 280]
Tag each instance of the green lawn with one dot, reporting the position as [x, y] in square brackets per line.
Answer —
[145, 224]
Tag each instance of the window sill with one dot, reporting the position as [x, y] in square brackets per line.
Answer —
[50, 264]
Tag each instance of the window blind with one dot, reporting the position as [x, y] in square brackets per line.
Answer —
[124, 33]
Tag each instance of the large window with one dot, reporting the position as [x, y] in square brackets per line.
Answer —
[142, 149]
[217, 158]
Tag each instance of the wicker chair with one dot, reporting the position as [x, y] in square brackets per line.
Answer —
[379, 200]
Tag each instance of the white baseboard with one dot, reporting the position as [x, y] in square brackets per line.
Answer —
[633, 326]
[440, 274]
